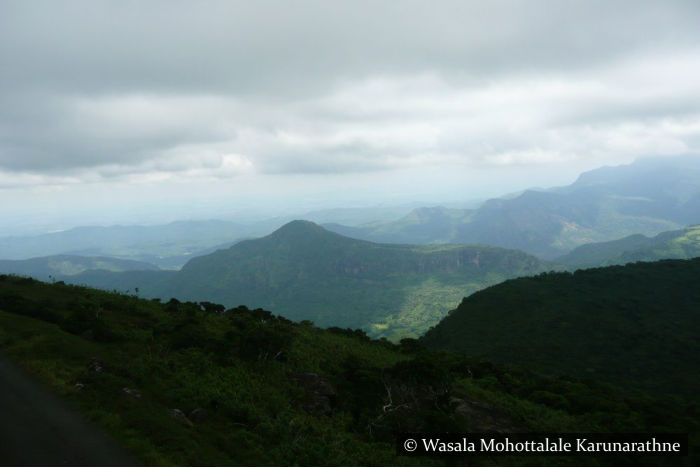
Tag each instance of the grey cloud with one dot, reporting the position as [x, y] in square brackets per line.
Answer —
[277, 46]
[343, 158]
[45, 132]
[283, 57]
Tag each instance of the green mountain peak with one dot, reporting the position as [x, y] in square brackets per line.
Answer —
[305, 272]
[300, 228]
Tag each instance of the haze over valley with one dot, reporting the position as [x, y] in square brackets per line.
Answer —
[396, 276]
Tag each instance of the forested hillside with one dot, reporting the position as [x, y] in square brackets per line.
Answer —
[677, 244]
[635, 325]
[305, 272]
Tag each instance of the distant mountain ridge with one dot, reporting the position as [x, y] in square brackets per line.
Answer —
[168, 246]
[171, 245]
[646, 197]
[303, 271]
[60, 266]
[677, 244]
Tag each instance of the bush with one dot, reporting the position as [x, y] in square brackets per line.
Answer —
[265, 341]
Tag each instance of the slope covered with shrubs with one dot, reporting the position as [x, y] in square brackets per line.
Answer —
[196, 384]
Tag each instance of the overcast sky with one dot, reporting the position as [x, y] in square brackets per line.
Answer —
[133, 111]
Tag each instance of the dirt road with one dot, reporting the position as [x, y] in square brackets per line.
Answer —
[37, 429]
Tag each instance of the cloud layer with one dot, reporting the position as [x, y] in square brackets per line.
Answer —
[144, 91]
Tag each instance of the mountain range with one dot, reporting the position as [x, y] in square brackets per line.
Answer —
[61, 266]
[677, 244]
[305, 272]
[308, 273]
[169, 246]
[646, 197]
[429, 261]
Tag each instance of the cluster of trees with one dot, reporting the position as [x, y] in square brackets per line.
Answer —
[634, 325]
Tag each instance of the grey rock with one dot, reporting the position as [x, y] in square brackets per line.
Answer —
[135, 393]
[96, 365]
[179, 415]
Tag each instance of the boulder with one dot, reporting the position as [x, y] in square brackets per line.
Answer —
[180, 416]
[135, 393]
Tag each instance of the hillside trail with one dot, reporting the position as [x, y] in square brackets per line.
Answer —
[37, 429]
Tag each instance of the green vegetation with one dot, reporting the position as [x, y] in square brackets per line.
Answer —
[304, 272]
[255, 389]
[636, 325]
[678, 244]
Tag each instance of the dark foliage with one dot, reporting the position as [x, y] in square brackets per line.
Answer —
[635, 325]
[261, 388]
